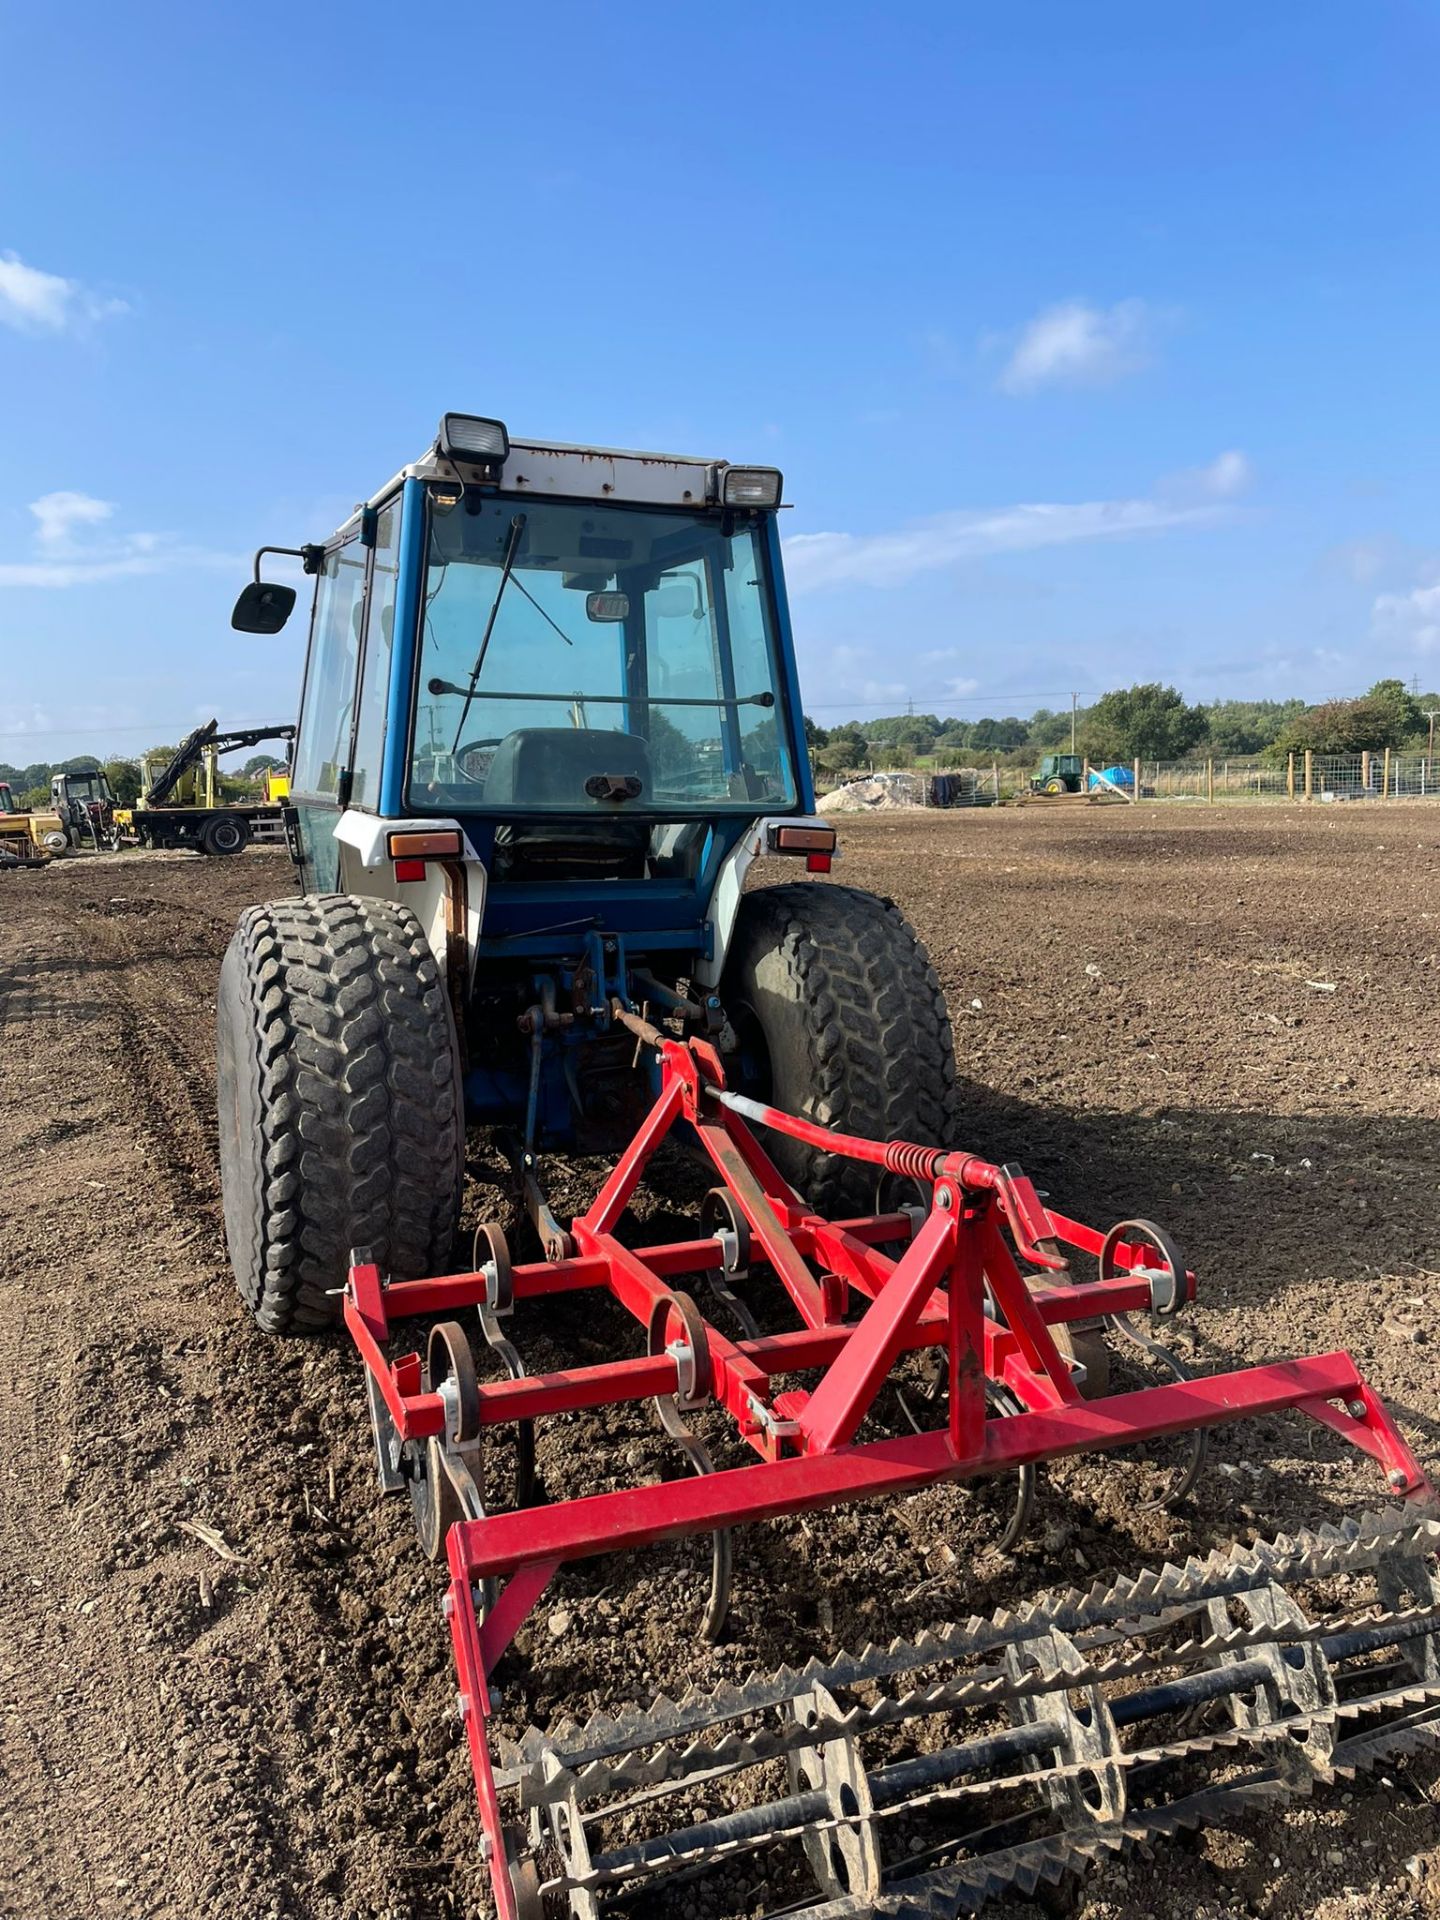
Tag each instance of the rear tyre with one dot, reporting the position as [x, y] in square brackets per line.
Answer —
[225, 836]
[838, 1017]
[341, 1124]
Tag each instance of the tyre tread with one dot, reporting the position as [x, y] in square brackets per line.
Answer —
[361, 1135]
[880, 1052]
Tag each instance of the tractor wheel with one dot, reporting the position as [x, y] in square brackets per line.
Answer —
[838, 1016]
[341, 1123]
[1056, 786]
[225, 836]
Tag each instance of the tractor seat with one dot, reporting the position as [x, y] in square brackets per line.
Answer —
[547, 767]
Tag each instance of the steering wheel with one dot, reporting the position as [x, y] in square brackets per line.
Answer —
[471, 746]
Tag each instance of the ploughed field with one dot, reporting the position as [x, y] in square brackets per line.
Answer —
[225, 1685]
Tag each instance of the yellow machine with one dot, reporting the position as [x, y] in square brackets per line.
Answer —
[182, 803]
[27, 838]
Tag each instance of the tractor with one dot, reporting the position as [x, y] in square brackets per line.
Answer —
[85, 806]
[550, 719]
[1059, 773]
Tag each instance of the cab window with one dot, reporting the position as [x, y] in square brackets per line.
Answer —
[327, 708]
[375, 670]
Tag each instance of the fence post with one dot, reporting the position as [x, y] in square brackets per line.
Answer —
[1385, 777]
[1210, 781]
[1290, 775]
[1365, 770]
[1309, 773]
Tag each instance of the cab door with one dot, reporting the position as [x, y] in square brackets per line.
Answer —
[320, 775]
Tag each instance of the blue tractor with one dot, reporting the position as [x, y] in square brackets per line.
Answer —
[550, 717]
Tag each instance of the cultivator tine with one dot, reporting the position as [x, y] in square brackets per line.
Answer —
[490, 1255]
[1182, 1478]
[677, 1329]
[1088, 1723]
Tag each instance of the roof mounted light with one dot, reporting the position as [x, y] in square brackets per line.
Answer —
[750, 487]
[479, 443]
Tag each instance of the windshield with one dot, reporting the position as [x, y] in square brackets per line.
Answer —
[88, 786]
[583, 658]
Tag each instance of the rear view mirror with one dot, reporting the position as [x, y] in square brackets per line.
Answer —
[607, 606]
[263, 608]
[673, 603]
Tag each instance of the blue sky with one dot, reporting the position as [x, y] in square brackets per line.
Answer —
[1097, 344]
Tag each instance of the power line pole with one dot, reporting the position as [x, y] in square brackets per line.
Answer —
[1432, 714]
[1074, 704]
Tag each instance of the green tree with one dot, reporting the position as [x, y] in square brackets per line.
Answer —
[1050, 729]
[124, 778]
[1247, 726]
[841, 753]
[954, 738]
[1148, 722]
[1392, 698]
[887, 731]
[996, 736]
[916, 739]
[1365, 725]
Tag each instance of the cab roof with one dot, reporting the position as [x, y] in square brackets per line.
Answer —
[555, 470]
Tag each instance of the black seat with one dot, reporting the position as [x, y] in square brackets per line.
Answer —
[548, 767]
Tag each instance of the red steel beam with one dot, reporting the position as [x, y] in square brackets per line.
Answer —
[638, 1516]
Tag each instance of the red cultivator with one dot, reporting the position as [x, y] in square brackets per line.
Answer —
[882, 1799]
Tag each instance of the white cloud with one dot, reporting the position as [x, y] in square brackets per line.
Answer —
[62, 560]
[1227, 475]
[60, 513]
[32, 301]
[1074, 344]
[1412, 619]
[818, 560]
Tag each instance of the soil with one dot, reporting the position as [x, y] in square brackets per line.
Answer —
[225, 1686]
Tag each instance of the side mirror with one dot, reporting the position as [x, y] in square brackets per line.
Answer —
[263, 608]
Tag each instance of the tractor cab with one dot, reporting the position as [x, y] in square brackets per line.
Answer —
[581, 659]
[85, 806]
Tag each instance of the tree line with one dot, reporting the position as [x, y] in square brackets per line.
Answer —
[31, 784]
[1146, 722]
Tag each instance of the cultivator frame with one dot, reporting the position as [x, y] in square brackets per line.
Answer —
[956, 1284]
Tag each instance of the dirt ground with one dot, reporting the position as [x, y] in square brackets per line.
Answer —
[225, 1685]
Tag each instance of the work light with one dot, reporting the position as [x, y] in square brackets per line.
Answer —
[483, 443]
[750, 487]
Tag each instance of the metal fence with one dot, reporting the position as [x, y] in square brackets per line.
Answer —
[1300, 776]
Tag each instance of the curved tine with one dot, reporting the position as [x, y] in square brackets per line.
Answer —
[1199, 1437]
[504, 1350]
[717, 1606]
[727, 1296]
